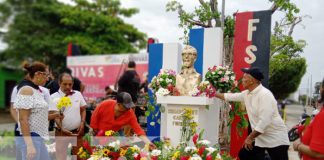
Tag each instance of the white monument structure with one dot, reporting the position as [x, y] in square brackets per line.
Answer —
[206, 110]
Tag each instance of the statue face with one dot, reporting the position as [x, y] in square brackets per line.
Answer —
[188, 58]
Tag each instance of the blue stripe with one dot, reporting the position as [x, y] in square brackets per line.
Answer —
[196, 39]
[154, 66]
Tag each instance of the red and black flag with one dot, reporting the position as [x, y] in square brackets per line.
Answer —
[252, 42]
[73, 50]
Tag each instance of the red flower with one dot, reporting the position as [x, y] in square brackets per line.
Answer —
[195, 138]
[154, 158]
[87, 146]
[114, 155]
[184, 157]
[201, 150]
[170, 87]
[209, 157]
[101, 133]
[138, 157]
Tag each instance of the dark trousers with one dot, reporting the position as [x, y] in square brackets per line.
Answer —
[258, 153]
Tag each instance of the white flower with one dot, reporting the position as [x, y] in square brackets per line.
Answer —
[233, 78]
[136, 147]
[211, 150]
[226, 78]
[195, 157]
[220, 72]
[190, 149]
[204, 142]
[156, 152]
[162, 92]
[160, 79]
[114, 144]
[135, 155]
[105, 158]
[194, 91]
[228, 72]
[218, 156]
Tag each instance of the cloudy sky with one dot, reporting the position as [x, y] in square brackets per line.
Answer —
[156, 22]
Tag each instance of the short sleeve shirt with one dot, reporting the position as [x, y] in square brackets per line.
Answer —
[38, 119]
[72, 117]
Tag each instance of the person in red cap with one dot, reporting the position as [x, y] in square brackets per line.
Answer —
[268, 129]
[116, 114]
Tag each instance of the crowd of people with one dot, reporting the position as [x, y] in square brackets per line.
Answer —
[33, 106]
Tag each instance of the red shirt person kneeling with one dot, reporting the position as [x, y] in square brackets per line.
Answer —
[115, 114]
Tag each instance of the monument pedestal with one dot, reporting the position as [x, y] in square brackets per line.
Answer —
[205, 111]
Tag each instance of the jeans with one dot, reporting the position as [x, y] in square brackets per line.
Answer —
[41, 150]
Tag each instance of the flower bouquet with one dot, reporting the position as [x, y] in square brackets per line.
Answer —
[164, 83]
[204, 89]
[222, 78]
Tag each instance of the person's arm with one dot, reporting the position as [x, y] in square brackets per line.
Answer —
[305, 149]
[237, 97]
[250, 139]
[266, 111]
[13, 113]
[95, 118]
[83, 118]
[54, 114]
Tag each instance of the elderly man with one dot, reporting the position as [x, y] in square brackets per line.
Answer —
[72, 126]
[188, 77]
[268, 129]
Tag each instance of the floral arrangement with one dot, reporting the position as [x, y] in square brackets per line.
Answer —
[204, 89]
[164, 83]
[63, 103]
[222, 78]
[189, 126]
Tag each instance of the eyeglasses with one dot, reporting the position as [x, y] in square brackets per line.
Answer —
[44, 73]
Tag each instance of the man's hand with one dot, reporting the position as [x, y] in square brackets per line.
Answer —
[152, 146]
[248, 143]
[296, 144]
[67, 132]
[81, 129]
[31, 152]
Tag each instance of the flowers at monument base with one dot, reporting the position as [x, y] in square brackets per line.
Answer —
[164, 83]
[203, 89]
[222, 78]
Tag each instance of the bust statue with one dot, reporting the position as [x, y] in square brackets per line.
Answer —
[188, 78]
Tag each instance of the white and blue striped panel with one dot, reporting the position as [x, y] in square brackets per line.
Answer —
[209, 45]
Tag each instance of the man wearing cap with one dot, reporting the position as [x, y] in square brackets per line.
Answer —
[268, 129]
[115, 114]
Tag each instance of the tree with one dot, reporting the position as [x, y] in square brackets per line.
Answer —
[41, 29]
[285, 74]
[207, 15]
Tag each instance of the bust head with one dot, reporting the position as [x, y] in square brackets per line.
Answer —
[189, 56]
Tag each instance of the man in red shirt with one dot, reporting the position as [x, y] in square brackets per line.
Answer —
[115, 114]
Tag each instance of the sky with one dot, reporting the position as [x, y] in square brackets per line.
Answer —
[156, 22]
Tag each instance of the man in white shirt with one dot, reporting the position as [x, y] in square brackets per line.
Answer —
[268, 129]
[72, 125]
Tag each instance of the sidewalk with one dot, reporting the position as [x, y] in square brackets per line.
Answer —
[293, 113]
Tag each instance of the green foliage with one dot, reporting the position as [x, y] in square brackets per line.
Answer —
[285, 74]
[201, 16]
[42, 29]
